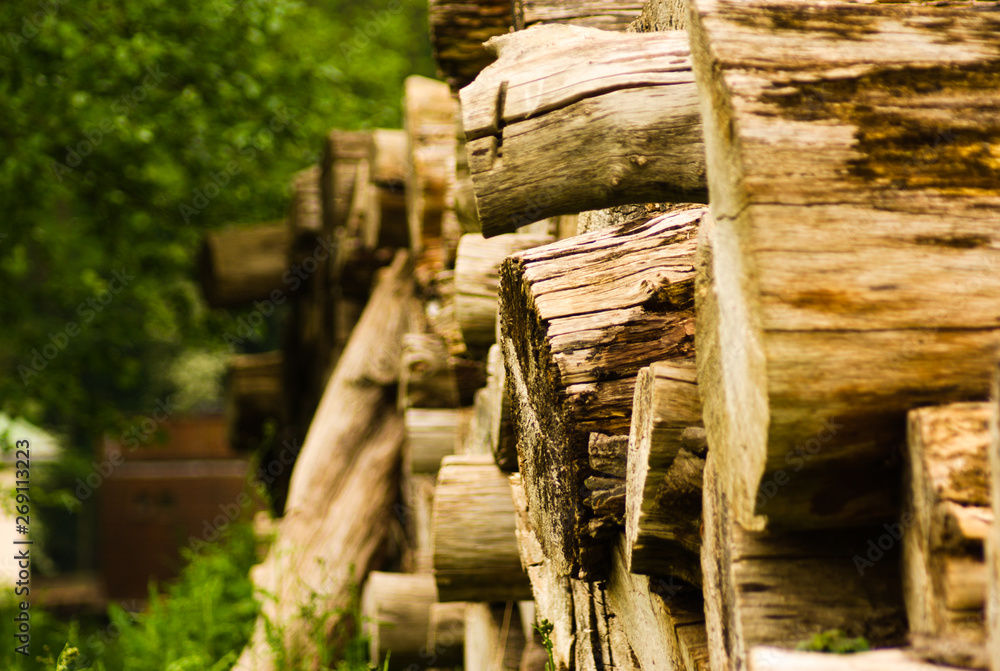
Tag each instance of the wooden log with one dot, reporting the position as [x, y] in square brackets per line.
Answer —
[387, 164]
[427, 379]
[473, 535]
[396, 610]
[502, 437]
[593, 645]
[458, 30]
[433, 434]
[494, 640]
[416, 515]
[253, 397]
[477, 278]
[342, 152]
[579, 318]
[660, 15]
[552, 591]
[343, 486]
[663, 620]
[946, 518]
[446, 634]
[237, 266]
[603, 14]
[663, 499]
[536, 119]
[896, 659]
[993, 544]
[847, 178]
[762, 587]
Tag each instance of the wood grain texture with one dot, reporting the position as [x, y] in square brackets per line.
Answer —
[458, 31]
[571, 119]
[852, 165]
[579, 318]
[473, 534]
[432, 434]
[603, 14]
[946, 518]
[664, 481]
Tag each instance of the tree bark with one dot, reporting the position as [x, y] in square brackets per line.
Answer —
[946, 519]
[240, 265]
[579, 318]
[663, 500]
[396, 608]
[848, 176]
[475, 543]
[571, 119]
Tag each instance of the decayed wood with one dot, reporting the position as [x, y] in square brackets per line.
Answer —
[432, 435]
[663, 500]
[605, 492]
[552, 591]
[502, 438]
[494, 640]
[240, 265]
[396, 616]
[765, 588]
[446, 634]
[777, 659]
[849, 174]
[947, 517]
[662, 619]
[343, 486]
[253, 396]
[477, 269]
[579, 318]
[475, 544]
[604, 14]
[458, 30]
[571, 119]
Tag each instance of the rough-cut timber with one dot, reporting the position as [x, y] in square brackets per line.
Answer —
[432, 435]
[473, 534]
[603, 14]
[459, 29]
[663, 495]
[244, 264]
[851, 153]
[579, 318]
[571, 119]
[494, 638]
[446, 634]
[553, 594]
[395, 609]
[344, 483]
[477, 269]
[253, 396]
[946, 519]
[765, 588]
[776, 659]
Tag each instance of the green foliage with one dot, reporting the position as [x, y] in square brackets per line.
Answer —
[544, 629]
[834, 640]
[130, 129]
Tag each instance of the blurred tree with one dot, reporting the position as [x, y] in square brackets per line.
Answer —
[129, 129]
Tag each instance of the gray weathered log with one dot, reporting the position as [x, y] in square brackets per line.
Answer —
[475, 543]
[239, 265]
[663, 500]
[946, 519]
[396, 616]
[579, 318]
[848, 176]
[571, 119]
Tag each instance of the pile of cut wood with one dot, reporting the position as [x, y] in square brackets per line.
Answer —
[660, 338]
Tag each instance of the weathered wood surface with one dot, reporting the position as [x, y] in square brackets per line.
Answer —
[427, 378]
[432, 434]
[593, 642]
[765, 588]
[502, 436]
[344, 484]
[603, 14]
[552, 591]
[571, 119]
[415, 514]
[458, 31]
[395, 609]
[477, 278]
[660, 15]
[579, 318]
[386, 206]
[446, 634]
[777, 659]
[473, 533]
[239, 265]
[605, 492]
[947, 517]
[664, 483]
[253, 396]
[662, 619]
[850, 171]
[494, 639]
